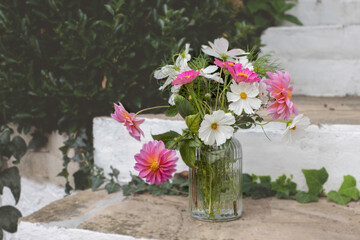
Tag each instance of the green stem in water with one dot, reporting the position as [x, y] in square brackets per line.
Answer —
[150, 108]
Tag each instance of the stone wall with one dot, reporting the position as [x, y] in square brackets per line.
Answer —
[335, 147]
[323, 56]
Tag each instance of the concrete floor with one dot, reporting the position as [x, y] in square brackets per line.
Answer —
[167, 217]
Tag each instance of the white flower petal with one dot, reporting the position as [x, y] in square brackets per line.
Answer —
[216, 77]
[209, 51]
[164, 72]
[254, 103]
[235, 52]
[232, 97]
[227, 131]
[167, 82]
[247, 108]
[237, 107]
[221, 44]
[227, 119]
[210, 69]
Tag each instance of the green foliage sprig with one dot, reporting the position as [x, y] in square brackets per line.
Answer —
[10, 177]
[178, 186]
[258, 187]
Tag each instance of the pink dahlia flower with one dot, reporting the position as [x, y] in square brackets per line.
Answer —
[130, 122]
[278, 86]
[155, 162]
[186, 77]
[243, 74]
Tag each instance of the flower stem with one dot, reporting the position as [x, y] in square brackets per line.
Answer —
[150, 108]
[217, 91]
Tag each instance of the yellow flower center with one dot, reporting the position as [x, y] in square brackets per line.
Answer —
[243, 95]
[289, 96]
[293, 128]
[154, 165]
[187, 76]
[231, 63]
[242, 74]
[214, 126]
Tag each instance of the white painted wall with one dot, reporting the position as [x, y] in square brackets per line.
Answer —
[335, 147]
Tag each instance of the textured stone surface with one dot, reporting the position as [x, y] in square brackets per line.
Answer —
[43, 165]
[167, 217]
[322, 60]
[325, 12]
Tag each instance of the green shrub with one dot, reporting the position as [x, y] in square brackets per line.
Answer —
[64, 62]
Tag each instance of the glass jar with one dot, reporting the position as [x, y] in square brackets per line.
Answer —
[215, 186]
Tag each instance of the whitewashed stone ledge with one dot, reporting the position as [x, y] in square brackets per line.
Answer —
[335, 147]
[326, 12]
[322, 60]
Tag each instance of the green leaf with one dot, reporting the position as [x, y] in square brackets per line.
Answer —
[292, 19]
[184, 107]
[247, 182]
[265, 179]
[171, 111]
[256, 5]
[110, 9]
[168, 138]
[18, 147]
[348, 188]
[284, 187]
[5, 137]
[315, 180]
[187, 153]
[10, 178]
[304, 197]
[96, 182]
[193, 122]
[9, 217]
[112, 187]
[338, 198]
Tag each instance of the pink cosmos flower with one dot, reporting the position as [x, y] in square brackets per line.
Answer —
[229, 64]
[278, 86]
[130, 122]
[219, 63]
[186, 77]
[225, 65]
[243, 74]
[155, 162]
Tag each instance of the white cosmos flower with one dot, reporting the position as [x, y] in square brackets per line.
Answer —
[296, 128]
[219, 49]
[243, 97]
[216, 128]
[175, 89]
[171, 71]
[263, 94]
[208, 72]
[244, 62]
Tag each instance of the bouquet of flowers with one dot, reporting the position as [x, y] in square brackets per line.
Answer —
[216, 93]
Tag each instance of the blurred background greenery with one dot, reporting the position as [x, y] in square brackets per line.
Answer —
[64, 62]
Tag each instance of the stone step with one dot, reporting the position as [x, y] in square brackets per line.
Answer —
[322, 60]
[332, 142]
[167, 217]
[326, 12]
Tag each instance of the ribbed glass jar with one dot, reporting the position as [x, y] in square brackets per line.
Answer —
[216, 184]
